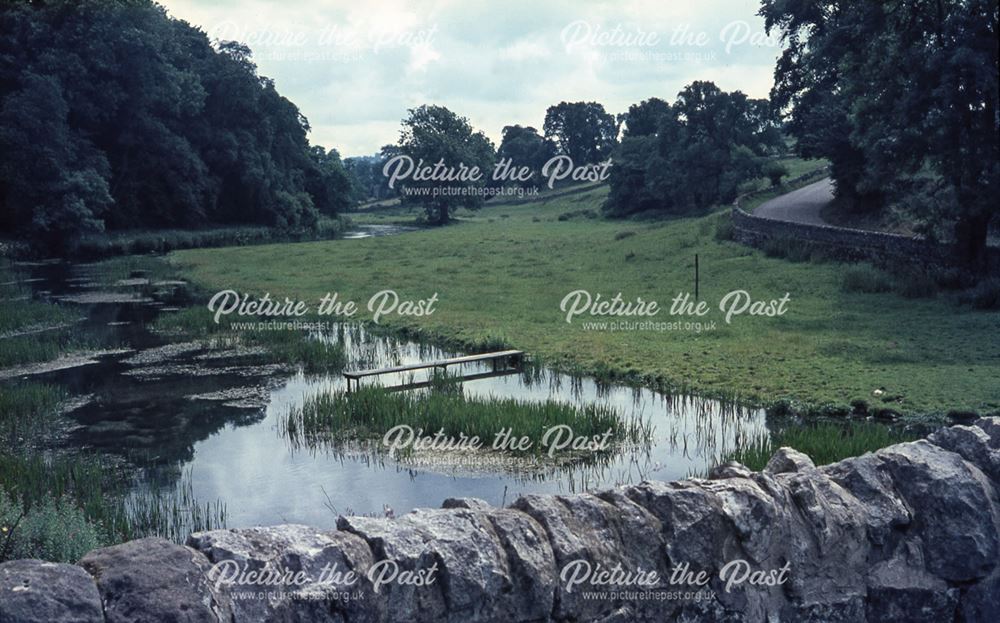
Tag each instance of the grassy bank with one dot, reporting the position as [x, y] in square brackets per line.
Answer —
[501, 274]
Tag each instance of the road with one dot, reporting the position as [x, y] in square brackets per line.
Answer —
[799, 206]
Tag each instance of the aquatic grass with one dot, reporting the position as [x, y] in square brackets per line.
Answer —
[314, 352]
[20, 314]
[44, 346]
[27, 409]
[370, 412]
[823, 442]
[105, 497]
[118, 268]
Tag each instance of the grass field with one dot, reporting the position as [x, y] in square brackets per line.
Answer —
[501, 273]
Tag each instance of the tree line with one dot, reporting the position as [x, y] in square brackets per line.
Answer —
[113, 116]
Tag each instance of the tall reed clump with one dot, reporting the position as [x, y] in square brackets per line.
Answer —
[27, 409]
[824, 443]
[370, 412]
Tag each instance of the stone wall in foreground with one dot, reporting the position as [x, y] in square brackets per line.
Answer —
[909, 533]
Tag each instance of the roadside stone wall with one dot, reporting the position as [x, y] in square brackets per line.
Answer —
[910, 533]
[847, 244]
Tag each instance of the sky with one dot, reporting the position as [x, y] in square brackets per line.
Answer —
[355, 68]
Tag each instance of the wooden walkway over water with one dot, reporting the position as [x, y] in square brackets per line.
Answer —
[507, 357]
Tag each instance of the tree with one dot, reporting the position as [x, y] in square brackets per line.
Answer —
[327, 181]
[367, 180]
[581, 130]
[433, 136]
[643, 119]
[54, 183]
[704, 147]
[891, 90]
[525, 147]
[113, 115]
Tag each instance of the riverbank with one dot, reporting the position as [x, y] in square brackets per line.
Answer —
[501, 274]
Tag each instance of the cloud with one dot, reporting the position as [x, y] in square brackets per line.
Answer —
[355, 69]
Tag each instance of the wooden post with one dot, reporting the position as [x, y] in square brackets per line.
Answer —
[696, 276]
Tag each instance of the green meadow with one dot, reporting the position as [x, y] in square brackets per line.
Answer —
[501, 273]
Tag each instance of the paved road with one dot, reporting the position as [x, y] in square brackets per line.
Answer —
[799, 206]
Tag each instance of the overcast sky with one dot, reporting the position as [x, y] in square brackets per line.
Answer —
[354, 68]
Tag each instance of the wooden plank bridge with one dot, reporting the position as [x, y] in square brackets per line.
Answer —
[507, 357]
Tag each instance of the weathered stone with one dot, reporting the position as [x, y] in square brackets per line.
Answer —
[603, 533]
[787, 460]
[732, 469]
[991, 426]
[33, 591]
[902, 593]
[532, 565]
[466, 503]
[909, 533]
[323, 592]
[951, 507]
[155, 580]
[972, 443]
[868, 479]
[827, 546]
[459, 550]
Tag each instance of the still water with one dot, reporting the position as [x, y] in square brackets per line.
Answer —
[171, 408]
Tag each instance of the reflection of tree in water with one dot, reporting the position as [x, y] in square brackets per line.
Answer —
[155, 432]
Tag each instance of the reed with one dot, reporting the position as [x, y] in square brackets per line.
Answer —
[824, 443]
[27, 409]
[41, 492]
[338, 416]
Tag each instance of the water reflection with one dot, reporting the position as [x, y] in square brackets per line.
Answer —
[175, 412]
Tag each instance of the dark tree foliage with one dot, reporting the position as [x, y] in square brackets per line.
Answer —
[643, 119]
[899, 95]
[433, 135]
[113, 115]
[525, 147]
[584, 131]
[691, 155]
[367, 181]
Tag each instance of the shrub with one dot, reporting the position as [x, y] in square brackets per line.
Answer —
[985, 295]
[781, 408]
[914, 284]
[774, 172]
[859, 407]
[789, 249]
[866, 279]
[51, 529]
[724, 229]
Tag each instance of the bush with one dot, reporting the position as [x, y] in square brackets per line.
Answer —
[859, 407]
[52, 530]
[866, 279]
[774, 172]
[790, 249]
[724, 228]
[986, 294]
[781, 408]
[914, 284]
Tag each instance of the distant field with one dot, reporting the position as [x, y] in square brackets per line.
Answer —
[501, 273]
